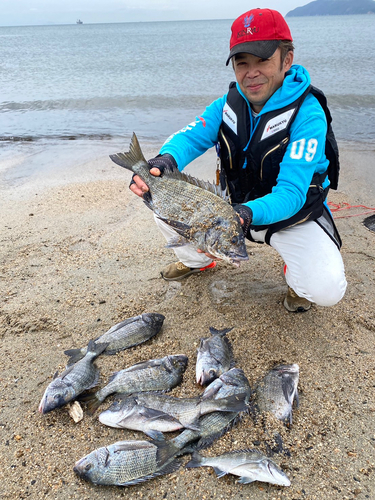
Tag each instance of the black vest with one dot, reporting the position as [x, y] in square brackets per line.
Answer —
[251, 174]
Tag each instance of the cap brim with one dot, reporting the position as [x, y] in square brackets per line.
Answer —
[263, 49]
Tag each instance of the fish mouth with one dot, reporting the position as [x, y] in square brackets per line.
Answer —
[237, 259]
[206, 378]
[151, 318]
[281, 478]
[182, 359]
[289, 368]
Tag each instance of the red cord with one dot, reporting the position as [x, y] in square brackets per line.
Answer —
[334, 207]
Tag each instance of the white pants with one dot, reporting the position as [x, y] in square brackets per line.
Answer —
[314, 266]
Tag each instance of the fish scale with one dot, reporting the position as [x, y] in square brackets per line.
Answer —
[124, 463]
[153, 375]
[193, 208]
[73, 381]
[276, 392]
[131, 332]
[155, 411]
[249, 465]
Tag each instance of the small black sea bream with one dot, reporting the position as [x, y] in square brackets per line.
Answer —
[193, 208]
[153, 375]
[214, 425]
[276, 392]
[73, 381]
[125, 463]
[215, 356]
[128, 333]
[234, 381]
[249, 465]
[155, 411]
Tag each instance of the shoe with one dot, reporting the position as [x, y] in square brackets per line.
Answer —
[294, 303]
[178, 271]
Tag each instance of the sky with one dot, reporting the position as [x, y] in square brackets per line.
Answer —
[34, 12]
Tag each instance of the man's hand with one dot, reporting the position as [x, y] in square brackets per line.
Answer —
[246, 216]
[138, 187]
[158, 166]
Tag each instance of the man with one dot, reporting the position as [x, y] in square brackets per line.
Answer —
[272, 135]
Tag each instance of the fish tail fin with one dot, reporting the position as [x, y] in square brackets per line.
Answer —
[155, 435]
[74, 355]
[92, 402]
[133, 156]
[96, 349]
[223, 332]
[196, 461]
[166, 451]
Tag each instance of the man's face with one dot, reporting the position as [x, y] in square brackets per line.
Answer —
[260, 78]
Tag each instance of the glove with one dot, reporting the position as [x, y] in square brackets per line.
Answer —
[165, 163]
[246, 215]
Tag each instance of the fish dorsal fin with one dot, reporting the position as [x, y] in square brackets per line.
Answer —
[121, 446]
[118, 326]
[206, 185]
[143, 364]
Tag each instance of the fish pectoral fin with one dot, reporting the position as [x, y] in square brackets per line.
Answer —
[288, 388]
[152, 414]
[96, 379]
[220, 472]
[245, 480]
[165, 469]
[192, 425]
[178, 241]
[180, 227]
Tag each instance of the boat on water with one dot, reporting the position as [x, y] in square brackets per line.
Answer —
[79, 21]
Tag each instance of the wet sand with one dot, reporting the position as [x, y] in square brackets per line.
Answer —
[80, 253]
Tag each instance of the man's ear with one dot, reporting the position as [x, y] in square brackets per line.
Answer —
[288, 61]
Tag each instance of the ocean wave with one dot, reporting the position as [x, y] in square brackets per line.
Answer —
[349, 101]
[141, 103]
[57, 137]
[135, 103]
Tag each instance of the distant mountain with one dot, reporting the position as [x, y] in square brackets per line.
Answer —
[334, 8]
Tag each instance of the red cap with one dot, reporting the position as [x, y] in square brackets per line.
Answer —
[258, 32]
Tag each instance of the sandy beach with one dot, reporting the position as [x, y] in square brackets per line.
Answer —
[79, 253]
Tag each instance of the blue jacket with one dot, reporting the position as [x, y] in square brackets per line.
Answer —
[304, 155]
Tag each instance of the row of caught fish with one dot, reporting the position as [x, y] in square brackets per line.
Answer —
[214, 358]
[204, 417]
[131, 462]
[82, 374]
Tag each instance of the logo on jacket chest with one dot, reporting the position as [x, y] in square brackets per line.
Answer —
[230, 117]
[276, 124]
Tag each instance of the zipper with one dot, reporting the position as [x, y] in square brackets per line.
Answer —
[284, 141]
[229, 151]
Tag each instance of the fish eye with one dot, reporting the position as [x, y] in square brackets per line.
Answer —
[57, 396]
[88, 467]
[234, 240]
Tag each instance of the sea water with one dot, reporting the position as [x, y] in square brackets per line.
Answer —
[102, 81]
